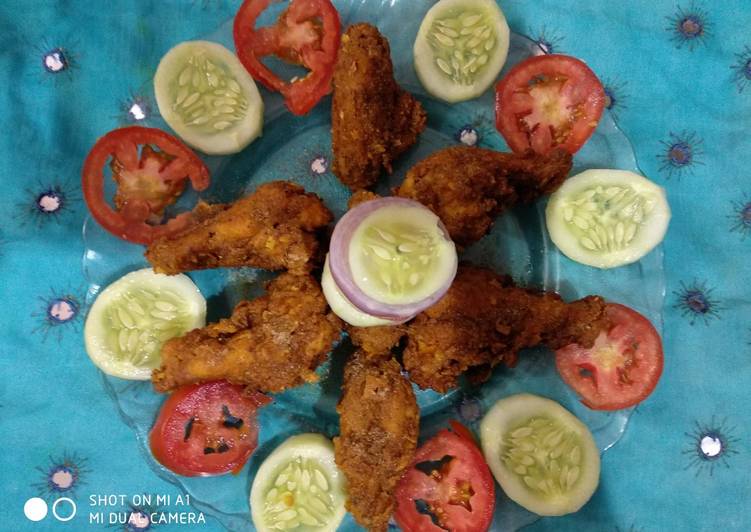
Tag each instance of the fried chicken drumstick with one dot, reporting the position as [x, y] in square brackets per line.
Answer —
[482, 321]
[273, 228]
[373, 120]
[469, 187]
[380, 422]
[269, 344]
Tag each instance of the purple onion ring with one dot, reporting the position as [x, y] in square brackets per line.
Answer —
[342, 272]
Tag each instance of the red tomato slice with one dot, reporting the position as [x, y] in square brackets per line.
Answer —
[547, 102]
[448, 486]
[622, 367]
[148, 181]
[462, 431]
[206, 429]
[307, 34]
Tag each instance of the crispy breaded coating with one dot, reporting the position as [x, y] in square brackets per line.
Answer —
[273, 228]
[373, 120]
[469, 187]
[484, 320]
[376, 341]
[270, 344]
[379, 425]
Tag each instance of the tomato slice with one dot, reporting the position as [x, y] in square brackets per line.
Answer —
[547, 102]
[448, 486]
[462, 431]
[206, 429]
[148, 181]
[306, 34]
[622, 367]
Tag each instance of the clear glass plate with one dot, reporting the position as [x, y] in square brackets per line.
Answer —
[299, 149]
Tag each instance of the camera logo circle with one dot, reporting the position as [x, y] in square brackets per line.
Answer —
[35, 509]
[73, 509]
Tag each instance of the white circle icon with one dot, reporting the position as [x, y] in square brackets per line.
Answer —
[72, 511]
[35, 509]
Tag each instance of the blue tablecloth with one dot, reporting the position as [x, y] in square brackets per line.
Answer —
[679, 80]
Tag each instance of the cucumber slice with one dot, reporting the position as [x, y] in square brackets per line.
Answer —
[607, 218]
[400, 254]
[342, 307]
[298, 487]
[133, 317]
[209, 99]
[460, 48]
[543, 457]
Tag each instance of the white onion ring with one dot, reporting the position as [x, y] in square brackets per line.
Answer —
[342, 272]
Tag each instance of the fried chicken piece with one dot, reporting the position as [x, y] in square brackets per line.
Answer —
[373, 120]
[376, 342]
[469, 187]
[379, 425]
[273, 228]
[271, 343]
[484, 320]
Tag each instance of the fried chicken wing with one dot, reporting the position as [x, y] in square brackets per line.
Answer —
[469, 187]
[484, 320]
[273, 228]
[373, 120]
[380, 422]
[271, 343]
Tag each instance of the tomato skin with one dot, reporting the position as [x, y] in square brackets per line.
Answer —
[461, 430]
[621, 369]
[544, 89]
[467, 469]
[130, 223]
[204, 404]
[294, 38]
